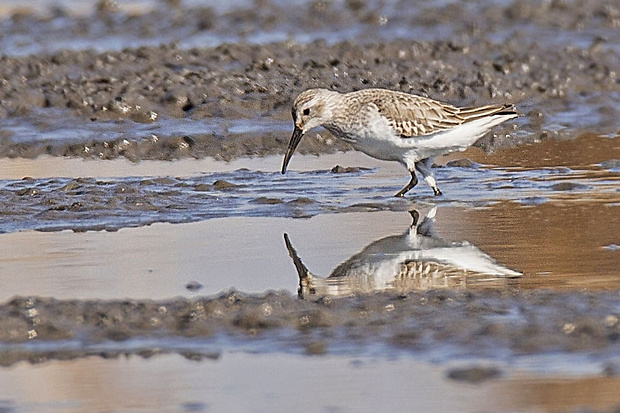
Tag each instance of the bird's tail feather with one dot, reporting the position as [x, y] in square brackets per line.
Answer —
[473, 113]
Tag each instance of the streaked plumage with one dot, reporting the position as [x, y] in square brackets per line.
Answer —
[418, 259]
[394, 126]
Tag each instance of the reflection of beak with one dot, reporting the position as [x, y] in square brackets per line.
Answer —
[292, 144]
[302, 271]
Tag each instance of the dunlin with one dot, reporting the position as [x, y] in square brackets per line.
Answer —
[394, 126]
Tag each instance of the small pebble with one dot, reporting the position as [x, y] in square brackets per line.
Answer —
[193, 286]
[267, 201]
[462, 163]
[221, 184]
[567, 186]
[342, 170]
[474, 374]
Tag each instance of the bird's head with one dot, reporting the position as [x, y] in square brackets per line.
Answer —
[311, 109]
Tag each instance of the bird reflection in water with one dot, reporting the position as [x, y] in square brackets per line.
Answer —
[418, 259]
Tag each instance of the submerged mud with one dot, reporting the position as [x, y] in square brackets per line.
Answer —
[82, 204]
[492, 323]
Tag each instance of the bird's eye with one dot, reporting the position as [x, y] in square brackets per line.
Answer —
[306, 111]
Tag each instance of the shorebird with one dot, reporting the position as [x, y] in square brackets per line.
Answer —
[394, 126]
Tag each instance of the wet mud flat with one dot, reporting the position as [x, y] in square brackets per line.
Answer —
[233, 99]
[145, 113]
[443, 323]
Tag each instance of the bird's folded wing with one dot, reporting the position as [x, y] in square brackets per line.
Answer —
[413, 116]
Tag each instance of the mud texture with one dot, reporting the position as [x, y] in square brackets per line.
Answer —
[93, 204]
[487, 322]
[553, 85]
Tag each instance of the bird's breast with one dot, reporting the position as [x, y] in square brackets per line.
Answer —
[342, 133]
[374, 139]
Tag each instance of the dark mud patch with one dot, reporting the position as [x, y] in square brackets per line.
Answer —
[474, 375]
[444, 323]
[348, 169]
[267, 201]
[567, 186]
[462, 163]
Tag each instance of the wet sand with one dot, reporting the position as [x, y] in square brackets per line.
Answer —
[143, 214]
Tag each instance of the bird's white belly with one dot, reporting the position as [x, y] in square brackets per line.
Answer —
[384, 149]
[390, 147]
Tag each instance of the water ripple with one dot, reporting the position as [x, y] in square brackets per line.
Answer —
[95, 204]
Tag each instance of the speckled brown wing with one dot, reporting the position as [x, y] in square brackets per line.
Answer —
[413, 116]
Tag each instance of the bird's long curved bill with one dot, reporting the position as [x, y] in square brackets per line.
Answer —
[292, 144]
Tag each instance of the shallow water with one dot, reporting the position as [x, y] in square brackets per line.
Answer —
[249, 254]
[89, 202]
[558, 225]
[224, 384]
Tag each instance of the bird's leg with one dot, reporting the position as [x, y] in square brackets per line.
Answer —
[411, 184]
[424, 167]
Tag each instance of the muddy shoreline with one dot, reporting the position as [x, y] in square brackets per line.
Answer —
[561, 92]
[507, 323]
[96, 204]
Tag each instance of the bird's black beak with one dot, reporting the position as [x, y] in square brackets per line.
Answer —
[292, 144]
